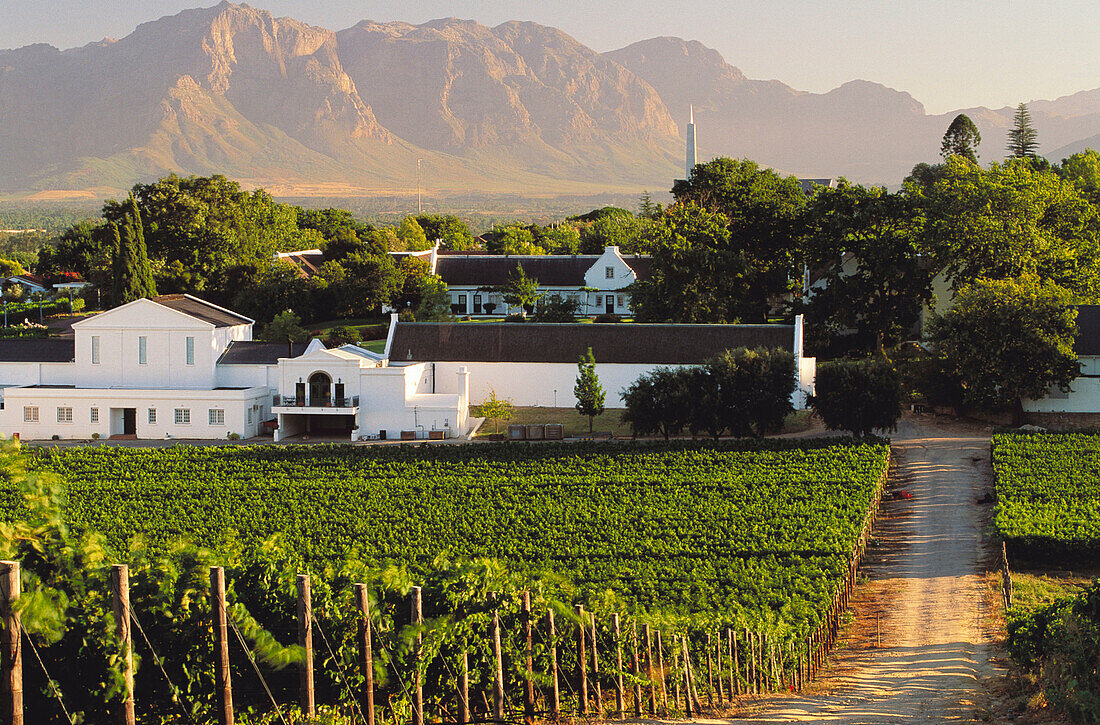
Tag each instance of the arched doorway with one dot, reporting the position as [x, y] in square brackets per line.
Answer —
[320, 390]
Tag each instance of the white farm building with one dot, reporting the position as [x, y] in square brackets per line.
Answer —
[176, 366]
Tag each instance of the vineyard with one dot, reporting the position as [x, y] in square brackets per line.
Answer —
[1048, 494]
[741, 555]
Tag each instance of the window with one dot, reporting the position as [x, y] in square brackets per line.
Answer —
[30, 414]
[183, 416]
[142, 357]
[95, 349]
[609, 272]
[152, 415]
[462, 301]
[217, 416]
[250, 416]
[190, 351]
[64, 415]
[620, 300]
[94, 417]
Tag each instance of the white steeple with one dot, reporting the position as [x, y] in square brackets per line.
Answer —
[691, 151]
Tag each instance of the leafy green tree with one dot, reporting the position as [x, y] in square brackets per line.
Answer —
[285, 326]
[647, 208]
[556, 308]
[371, 281]
[696, 275]
[514, 239]
[1083, 171]
[754, 390]
[859, 396]
[1022, 137]
[762, 209]
[343, 334]
[1006, 340]
[961, 139]
[657, 402]
[134, 276]
[435, 300]
[559, 239]
[494, 409]
[588, 391]
[863, 246]
[448, 229]
[411, 236]
[1011, 220]
[520, 291]
[10, 268]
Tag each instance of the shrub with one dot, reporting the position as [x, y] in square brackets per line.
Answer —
[657, 402]
[556, 308]
[344, 334]
[406, 316]
[516, 317]
[858, 396]
[233, 436]
[608, 317]
[95, 436]
[489, 307]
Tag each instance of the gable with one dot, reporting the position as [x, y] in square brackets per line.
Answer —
[142, 314]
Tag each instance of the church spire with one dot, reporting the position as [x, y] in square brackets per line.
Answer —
[691, 159]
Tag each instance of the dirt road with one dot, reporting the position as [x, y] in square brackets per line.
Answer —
[919, 649]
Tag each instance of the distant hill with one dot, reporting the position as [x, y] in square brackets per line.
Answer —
[518, 109]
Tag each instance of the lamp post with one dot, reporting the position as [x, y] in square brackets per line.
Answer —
[419, 208]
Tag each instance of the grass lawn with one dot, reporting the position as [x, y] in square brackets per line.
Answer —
[577, 424]
[378, 346]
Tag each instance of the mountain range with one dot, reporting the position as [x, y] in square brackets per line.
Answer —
[520, 108]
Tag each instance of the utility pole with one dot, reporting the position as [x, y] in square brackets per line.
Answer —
[419, 208]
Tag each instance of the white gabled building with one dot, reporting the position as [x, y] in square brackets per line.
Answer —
[178, 367]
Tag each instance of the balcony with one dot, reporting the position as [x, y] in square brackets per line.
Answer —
[317, 405]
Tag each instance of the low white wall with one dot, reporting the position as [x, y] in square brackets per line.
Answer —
[1083, 398]
[236, 404]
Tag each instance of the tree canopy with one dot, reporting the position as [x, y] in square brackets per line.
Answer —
[961, 139]
[1023, 139]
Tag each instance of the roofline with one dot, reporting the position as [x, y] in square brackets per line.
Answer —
[560, 325]
[219, 307]
[144, 299]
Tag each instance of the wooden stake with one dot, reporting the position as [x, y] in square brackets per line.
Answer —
[305, 641]
[222, 680]
[649, 668]
[620, 696]
[721, 679]
[735, 678]
[710, 672]
[120, 604]
[555, 692]
[498, 672]
[674, 652]
[416, 618]
[528, 663]
[366, 656]
[597, 690]
[661, 669]
[637, 669]
[11, 651]
[582, 664]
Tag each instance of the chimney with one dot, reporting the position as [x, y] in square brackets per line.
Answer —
[289, 347]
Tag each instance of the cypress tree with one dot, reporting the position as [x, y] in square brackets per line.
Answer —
[117, 265]
[144, 285]
[1022, 137]
[588, 391]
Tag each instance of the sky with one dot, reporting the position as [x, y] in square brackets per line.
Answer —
[948, 54]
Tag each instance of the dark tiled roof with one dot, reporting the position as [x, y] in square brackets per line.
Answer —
[639, 264]
[1088, 330]
[37, 350]
[564, 343]
[201, 310]
[259, 353]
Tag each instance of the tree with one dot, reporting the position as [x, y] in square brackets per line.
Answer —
[754, 389]
[285, 326]
[494, 409]
[1006, 340]
[1022, 137]
[435, 300]
[588, 391]
[412, 236]
[521, 291]
[1083, 171]
[133, 274]
[871, 277]
[859, 396]
[556, 308]
[695, 274]
[961, 139]
[1010, 220]
[657, 402]
[514, 239]
[449, 230]
[762, 210]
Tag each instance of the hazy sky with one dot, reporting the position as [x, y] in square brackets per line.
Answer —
[947, 53]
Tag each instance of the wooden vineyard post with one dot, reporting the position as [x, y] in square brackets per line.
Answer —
[710, 671]
[11, 652]
[1006, 577]
[416, 618]
[620, 696]
[674, 655]
[637, 670]
[464, 688]
[652, 674]
[498, 672]
[366, 657]
[687, 674]
[661, 669]
[221, 647]
[528, 662]
[735, 679]
[555, 692]
[120, 605]
[305, 641]
[596, 689]
[721, 679]
[582, 664]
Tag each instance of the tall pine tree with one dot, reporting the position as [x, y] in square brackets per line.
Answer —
[962, 139]
[1022, 137]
